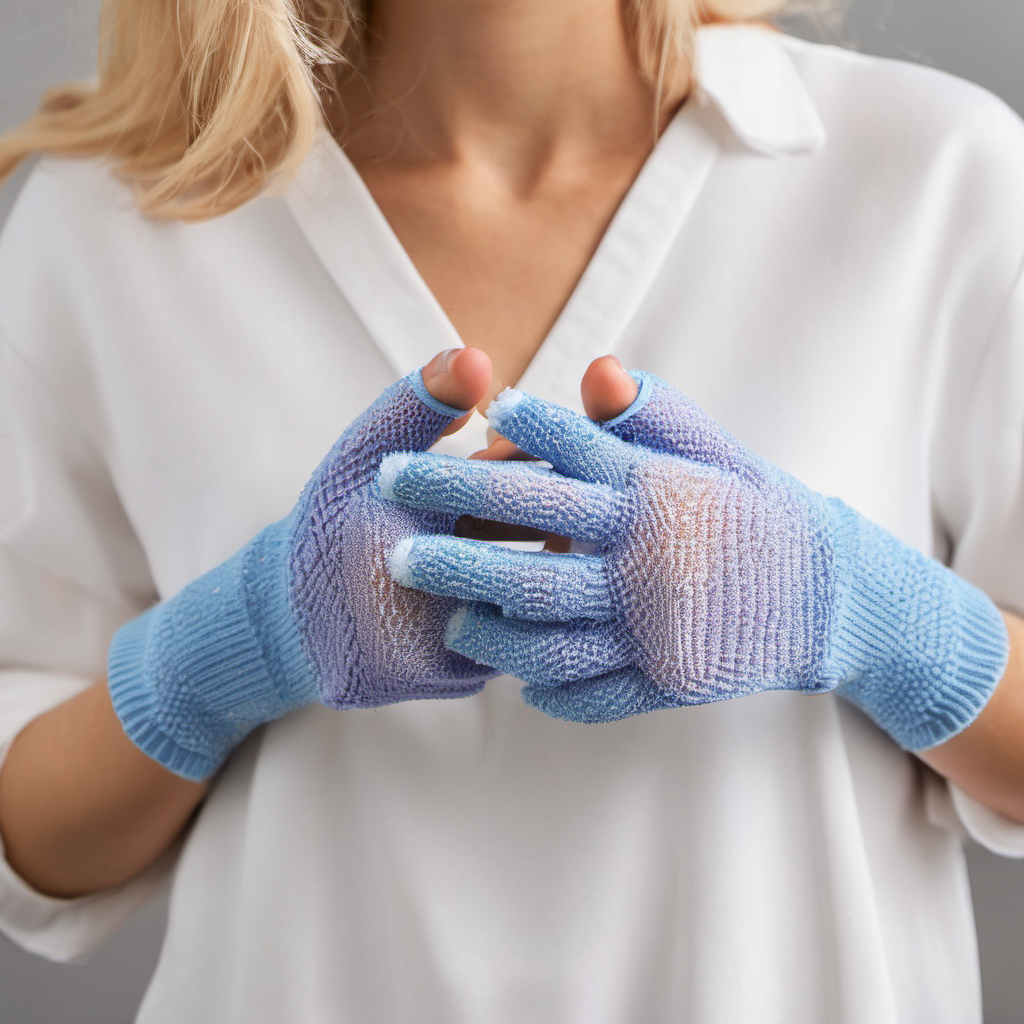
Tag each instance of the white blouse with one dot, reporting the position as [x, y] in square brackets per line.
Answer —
[824, 250]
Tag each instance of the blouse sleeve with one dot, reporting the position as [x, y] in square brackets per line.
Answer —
[978, 471]
[71, 571]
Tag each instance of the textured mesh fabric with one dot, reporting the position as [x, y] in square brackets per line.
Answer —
[372, 642]
[715, 575]
[307, 609]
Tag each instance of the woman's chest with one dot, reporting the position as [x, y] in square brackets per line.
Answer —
[216, 412]
[502, 263]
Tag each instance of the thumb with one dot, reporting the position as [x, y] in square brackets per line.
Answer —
[661, 418]
[458, 378]
[607, 389]
[412, 414]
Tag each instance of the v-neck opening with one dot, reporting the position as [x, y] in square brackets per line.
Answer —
[361, 250]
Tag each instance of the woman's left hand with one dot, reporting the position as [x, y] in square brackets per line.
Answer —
[715, 575]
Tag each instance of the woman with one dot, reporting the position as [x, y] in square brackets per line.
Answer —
[821, 249]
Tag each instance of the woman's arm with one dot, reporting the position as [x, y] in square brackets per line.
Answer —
[987, 759]
[81, 807]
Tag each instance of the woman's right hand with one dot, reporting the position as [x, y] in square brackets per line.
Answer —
[307, 609]
[82, 808]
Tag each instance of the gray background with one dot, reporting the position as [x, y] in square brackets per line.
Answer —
[45, 41]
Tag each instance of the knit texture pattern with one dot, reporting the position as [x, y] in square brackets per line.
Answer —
[307, 609]
[715, 575]
[371, 641]
[193, 676]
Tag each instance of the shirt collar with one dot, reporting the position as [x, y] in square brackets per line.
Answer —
[749, 75]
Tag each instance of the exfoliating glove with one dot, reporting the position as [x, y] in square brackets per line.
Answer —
[307, 609]
[715, 575]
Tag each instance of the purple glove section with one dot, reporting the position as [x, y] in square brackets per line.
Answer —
[715, 575]
[371, 641]
[306, 609]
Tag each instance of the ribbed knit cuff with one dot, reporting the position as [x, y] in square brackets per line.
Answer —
[191, 677]
[913, 645]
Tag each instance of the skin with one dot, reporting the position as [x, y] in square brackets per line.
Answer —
[519, 120]
[82, 808]
[476, 120]
[987, 759]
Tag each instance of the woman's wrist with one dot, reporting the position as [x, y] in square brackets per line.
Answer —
[81, 807]
[916, 647]
[986, 760]
[191, 677]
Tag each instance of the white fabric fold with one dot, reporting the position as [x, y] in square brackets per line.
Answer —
[847, 311]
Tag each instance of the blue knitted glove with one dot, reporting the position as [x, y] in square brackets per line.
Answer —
[306, 609]
[715, 575]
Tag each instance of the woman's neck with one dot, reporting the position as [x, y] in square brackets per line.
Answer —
[516, 85]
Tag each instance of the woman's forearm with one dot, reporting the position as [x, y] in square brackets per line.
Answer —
[987, 759]
[81, 808]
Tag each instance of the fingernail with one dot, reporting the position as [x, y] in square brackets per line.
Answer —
[439, 364]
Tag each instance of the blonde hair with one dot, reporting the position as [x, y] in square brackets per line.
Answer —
[203, 103]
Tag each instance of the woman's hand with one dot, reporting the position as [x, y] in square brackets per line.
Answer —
[307, 609]
[82, 807]
[715, 575]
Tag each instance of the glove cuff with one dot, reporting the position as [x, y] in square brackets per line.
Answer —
[916, 647]
[645, 383]
[191, 677]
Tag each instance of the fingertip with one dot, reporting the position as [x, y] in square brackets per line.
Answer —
[455, 624]
[607, 389]
[501, 406]
[474, 368]
[399, 562]
[387, 474]
[501, 450]
[458, 377]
